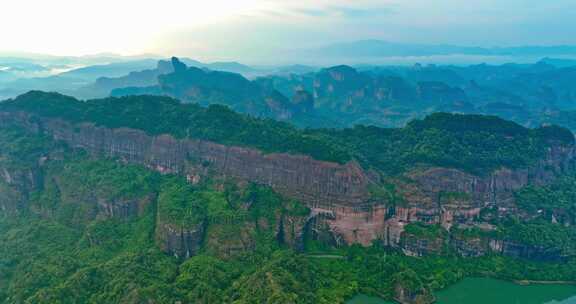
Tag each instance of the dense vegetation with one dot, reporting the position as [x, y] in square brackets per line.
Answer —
[553, 211]
[20, 150]
[164, 115]
[474, 143]
[61, 244]
[544, 234]
[43, 261]
[385, 96]
[64, 249]
[557, 200]
[425, 231]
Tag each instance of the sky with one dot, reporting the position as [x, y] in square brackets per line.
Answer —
[235, 29]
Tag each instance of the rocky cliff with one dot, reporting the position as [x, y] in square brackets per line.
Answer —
[311, 181]
[338, 195]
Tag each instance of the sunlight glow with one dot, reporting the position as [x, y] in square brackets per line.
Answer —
[68, 27]
[236, 28]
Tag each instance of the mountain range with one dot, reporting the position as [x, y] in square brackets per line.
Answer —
[341, 96]
[379, 48]
[145, 199]
[186, 182]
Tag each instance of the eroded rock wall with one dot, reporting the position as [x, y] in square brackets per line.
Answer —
[301, 177]
[339, 192]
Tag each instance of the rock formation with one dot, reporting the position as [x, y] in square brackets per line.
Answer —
[337, 194]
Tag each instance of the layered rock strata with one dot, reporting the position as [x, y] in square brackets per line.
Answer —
[337, 194]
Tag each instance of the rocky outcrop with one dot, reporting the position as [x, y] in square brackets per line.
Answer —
[473, 192]
[279, 106]
[413, 245]
[123, 209]
[181, 242]
[337, 194]
[360, 224]
[404, 295]
[303, 101]
[16, 184]
[311, 181]
[11, 200]
[290, 231]
[470, 247]
[525, 251]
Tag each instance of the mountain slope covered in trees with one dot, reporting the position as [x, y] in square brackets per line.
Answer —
[77, 226]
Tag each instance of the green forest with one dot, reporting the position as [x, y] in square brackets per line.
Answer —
[475, 143]
[89, 231]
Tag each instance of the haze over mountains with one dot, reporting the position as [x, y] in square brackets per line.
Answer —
[145, 199]
[339, 96]
[379, 48]
[165, 171]
[352, 52]
[68, 74]
[287, 152]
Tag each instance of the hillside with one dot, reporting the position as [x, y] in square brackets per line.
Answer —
[470, 142]
[386, 96]
[146, 199]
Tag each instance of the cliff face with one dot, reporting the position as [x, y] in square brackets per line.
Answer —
[337, 195]
[360, 224]
[124, 208]
[311, 181]
[477, 246]
[192, 84]
[15, 186]
[454, 195]
[182, 242]
[497, 187]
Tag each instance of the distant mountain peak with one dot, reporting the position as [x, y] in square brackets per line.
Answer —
[179, 67]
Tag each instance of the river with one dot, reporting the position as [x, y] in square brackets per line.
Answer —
[484, 290]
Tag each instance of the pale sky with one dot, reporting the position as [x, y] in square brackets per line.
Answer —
[225, 29]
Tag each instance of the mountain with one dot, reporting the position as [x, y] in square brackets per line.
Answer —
[63, 75]
[233, 67]
[341, 96]
[195, 85]
[293, 69]
[20, 66]
[104, 85]
[388, 96]
[379, 48]
[92, 72]
[144, 199]
[19, 75]
[559, 62]
[120, 69]
[392, 96]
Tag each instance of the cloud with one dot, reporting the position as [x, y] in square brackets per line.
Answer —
[237, 28]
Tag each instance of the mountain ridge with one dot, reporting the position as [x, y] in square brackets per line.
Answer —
[147, 179]
[380, 48]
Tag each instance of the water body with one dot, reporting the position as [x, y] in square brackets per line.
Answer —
[484, 290]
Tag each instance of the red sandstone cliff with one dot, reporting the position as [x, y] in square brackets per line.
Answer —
[337, 193]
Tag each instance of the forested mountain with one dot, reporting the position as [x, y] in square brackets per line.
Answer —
[146, 199]
[92, 76]
[342, 96]
[334, 97]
